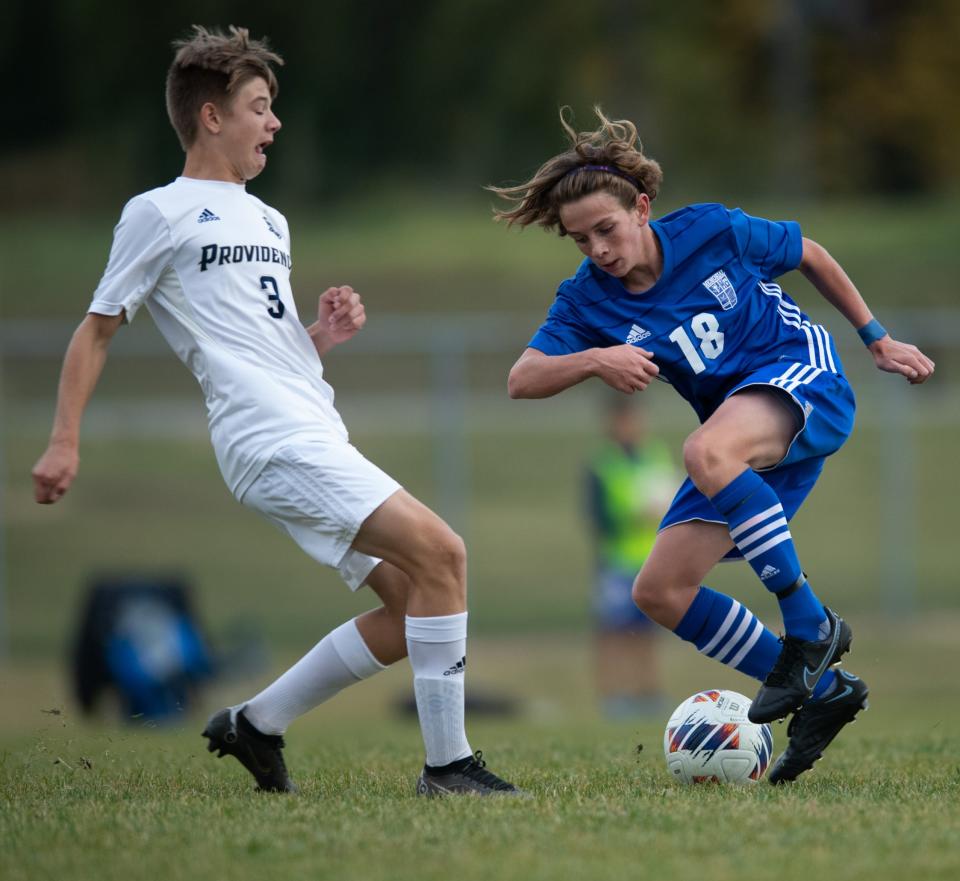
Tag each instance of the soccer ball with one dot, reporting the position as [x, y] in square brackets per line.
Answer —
[710, 739]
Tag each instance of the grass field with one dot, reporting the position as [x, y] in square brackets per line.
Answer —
[99, 801]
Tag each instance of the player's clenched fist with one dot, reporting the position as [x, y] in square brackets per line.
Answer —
[341, 312]
[626, 368]
[53, 473]
[903, 358]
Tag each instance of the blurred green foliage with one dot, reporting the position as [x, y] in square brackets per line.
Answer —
[800, 97]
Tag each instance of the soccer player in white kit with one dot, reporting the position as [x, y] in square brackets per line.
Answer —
[212, 264]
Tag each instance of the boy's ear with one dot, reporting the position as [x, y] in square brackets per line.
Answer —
[643, 205]
[211, 118]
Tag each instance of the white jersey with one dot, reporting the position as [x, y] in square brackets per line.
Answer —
[212, 263]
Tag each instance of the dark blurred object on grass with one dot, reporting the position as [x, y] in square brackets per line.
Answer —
[139, 640]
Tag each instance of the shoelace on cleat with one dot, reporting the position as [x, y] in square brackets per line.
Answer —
[272, 742]
[794, 724]
[276, 748]
[790, 657]
[813, 722]
[476, 770]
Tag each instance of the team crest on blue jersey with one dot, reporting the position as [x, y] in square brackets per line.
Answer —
[719, 285]
[637, 333]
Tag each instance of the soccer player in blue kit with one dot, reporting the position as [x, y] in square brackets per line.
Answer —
[690, 299]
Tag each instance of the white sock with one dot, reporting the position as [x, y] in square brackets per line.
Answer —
[340, 659]
[437, 648]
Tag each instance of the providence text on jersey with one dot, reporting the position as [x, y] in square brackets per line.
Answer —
[217, 255]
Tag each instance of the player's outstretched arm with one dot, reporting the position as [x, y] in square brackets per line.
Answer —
[828, 277]
[82, 365]
[537, 375]
[340, 314]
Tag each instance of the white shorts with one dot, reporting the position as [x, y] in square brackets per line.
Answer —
[319, 494]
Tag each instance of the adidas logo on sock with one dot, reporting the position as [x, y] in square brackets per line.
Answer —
[457, 668]
[206, 216]
[768, 572]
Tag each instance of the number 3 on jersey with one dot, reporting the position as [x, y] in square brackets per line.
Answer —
[706, 329]
[269, 283]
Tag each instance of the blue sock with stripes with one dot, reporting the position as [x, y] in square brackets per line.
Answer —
[758, 527]
[723, 629]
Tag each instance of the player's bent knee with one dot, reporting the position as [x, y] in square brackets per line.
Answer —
[440, 549]
[703, 455]
[438, 567]
[660, 600]
[414, 539]
[695, 454]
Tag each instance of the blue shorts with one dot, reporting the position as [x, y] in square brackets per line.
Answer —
[613, 605]
[824, 404]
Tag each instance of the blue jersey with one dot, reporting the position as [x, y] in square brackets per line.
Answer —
[715, 314]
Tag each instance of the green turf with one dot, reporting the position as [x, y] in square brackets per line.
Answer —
[86, 800]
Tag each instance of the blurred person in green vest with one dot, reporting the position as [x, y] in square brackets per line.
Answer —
[630, 482]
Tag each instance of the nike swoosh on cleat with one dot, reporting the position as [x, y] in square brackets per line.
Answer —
[817, 672]
[846, 690]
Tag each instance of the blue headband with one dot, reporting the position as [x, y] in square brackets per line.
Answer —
[610, 169]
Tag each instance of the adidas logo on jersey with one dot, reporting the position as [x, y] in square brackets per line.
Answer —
[206, 216]
[637, 333]
[457, 669]
[768, 572]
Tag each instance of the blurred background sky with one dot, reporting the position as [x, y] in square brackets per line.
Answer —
[841, 115]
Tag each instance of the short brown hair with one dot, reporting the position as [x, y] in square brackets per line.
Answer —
[611, 159]
[209, 67]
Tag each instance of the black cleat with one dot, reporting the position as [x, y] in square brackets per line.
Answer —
[798, 670]
[816, 724]
[230, 733]
[466, 777]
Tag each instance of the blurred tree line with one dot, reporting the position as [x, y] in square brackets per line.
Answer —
[797, 97]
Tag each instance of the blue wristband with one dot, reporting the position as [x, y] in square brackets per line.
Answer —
[872, 331]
